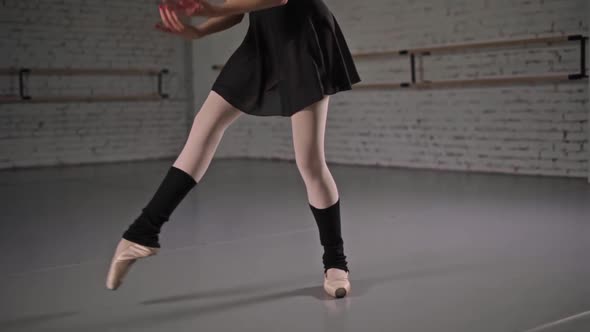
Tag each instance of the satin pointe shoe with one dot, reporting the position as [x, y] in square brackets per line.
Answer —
[336, 282]
[125, 256]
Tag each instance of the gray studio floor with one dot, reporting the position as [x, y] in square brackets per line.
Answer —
[428, 251]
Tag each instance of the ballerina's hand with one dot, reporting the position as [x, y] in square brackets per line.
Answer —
[172, 24]
[195, 7]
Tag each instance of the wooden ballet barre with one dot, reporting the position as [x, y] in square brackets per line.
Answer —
[8, 71]
[469, 82]
[22, 72]
[93, 71]
[103, 98]
[9, 99]
[82, 71]
[465, 46]
[494, 81]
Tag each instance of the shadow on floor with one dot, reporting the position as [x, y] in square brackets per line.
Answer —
[30, 320]
[360, 288]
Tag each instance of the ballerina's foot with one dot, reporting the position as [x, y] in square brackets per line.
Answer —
[126, 254]
[336, 282]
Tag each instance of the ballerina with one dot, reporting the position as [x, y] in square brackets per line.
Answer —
[293, 57]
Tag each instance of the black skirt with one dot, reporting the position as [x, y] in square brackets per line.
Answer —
[291, 57]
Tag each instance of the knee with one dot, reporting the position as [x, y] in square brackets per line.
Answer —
[311, 168]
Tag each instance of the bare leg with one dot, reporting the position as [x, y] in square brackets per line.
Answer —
[141, 238]
[208, 128]
[309, 126]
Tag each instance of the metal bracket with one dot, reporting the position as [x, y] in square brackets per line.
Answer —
[160, 76]
[583, 70]
[413, 67]
[21, 83]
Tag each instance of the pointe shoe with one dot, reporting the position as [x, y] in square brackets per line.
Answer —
[126, 254]
[336, 282]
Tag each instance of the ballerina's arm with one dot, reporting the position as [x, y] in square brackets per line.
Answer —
[219, 23]
[173, 24]
[229, 7]
[244, 6]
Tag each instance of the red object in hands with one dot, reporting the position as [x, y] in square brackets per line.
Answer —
[187, 6]
[163, 16]
[181, 7]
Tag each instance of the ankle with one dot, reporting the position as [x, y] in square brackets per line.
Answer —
[144, 240]
[334, 257]
[343, 268]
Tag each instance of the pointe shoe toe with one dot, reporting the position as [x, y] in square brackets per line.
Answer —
[125, 256]
[336, 282]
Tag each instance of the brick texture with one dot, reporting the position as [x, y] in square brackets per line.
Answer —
[88, 34]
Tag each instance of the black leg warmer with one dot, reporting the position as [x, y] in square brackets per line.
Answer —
[174, 187]
[328, 221]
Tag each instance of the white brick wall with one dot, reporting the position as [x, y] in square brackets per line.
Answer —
[525, 129]
[82, 34]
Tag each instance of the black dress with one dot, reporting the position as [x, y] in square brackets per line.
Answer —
[291, 56]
